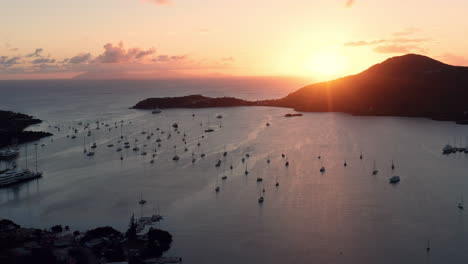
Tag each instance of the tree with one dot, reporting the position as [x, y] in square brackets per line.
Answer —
[131, 231]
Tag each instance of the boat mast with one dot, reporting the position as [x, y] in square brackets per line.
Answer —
[35, 150]
[26, 152]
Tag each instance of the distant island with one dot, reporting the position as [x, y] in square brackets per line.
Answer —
[12, 127]
[411, 85]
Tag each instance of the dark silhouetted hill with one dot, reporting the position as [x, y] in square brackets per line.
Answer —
[410, 85]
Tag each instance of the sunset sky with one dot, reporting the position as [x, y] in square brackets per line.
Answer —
[317, 39]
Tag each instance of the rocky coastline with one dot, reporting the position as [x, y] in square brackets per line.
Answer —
[13, 125]
[99, 245]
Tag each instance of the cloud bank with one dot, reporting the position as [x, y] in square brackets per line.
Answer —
[115, 59]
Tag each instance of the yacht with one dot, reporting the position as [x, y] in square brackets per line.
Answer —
[8, 153]
[259, 179]
[260, 200]
[156, 111]
[18, 175]
[209, 130]
[217, 189]
[322, 169]
[90, 154]
[175, 158]
[224, 177]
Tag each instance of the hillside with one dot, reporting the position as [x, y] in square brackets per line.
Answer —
[409, 85]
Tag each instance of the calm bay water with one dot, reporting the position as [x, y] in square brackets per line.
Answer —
[346, 215]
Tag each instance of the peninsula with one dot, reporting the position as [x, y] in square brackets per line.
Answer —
[12, 127]
[411, 85]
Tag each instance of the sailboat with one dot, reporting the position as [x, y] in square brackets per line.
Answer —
[175, 158]
[322, 169]
[360, 156]
[261, 199]
[345, 164]
[208, 129]
[393, 165]
[460, 204]
[142, 202]
[374, 170]
[394, 179]
[246, 171]
[84, 145]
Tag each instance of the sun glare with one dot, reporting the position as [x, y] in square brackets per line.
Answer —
[325, 63]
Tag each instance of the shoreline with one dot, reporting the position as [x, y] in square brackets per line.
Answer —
[13, 125]
[59, 244]
[199, 101]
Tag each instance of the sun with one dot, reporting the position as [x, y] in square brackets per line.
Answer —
[326, 63]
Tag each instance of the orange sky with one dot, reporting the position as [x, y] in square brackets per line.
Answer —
[319, 39]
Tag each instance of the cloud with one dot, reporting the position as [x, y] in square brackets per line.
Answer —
[181, 57]
[115, 58]
[204, 31]
[349, 3]
[80, 58]
[380, 41]
[168, 58]
[36, 53]
[6, 61]
[363, 43]
[227, 59]
[454, 59]
[395, 48]
[118, 54]
[10, 48]
[160, 2]
[42, 61]
[406, 31]
[408, 40]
